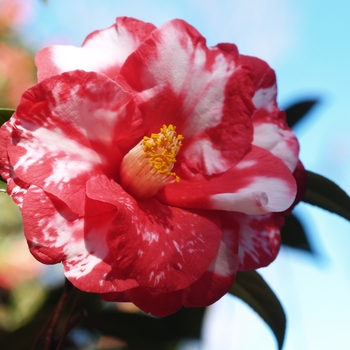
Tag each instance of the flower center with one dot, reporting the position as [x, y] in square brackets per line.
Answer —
[147, 167]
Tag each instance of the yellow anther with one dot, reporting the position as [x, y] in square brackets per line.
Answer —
[148, 166]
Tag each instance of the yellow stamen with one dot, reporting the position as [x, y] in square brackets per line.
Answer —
[148, 166]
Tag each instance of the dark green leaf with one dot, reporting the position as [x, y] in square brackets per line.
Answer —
[252, 289]
[297, 111]
[293, 234]
[141, 331]
[325, 194]
[5, 114]
[2, 186]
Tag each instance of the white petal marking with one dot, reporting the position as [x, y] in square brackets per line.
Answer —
[265, 98]
[222, 265]
[282, 143]
[262, 196]
[205, 152]
[98, 53]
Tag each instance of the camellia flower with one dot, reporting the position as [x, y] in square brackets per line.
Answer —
[153, 167]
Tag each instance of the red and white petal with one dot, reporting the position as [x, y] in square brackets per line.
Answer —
[210, 287]
[56, 234]
[162, 248]
[69, 127]
[5, 132]
[220, 276]
[16, 189]
[88, 262]
[260, 183]
[270, 128]
[48, 226]
[103, 51]
[264, 79]
[272, 133]
[259, 239]
[204, 91]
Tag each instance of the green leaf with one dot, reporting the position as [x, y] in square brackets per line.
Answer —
[141, 331]
[2, 186]
[298, 111]
[325, 194]
[5, 114]
[293, 234]
[252, 289]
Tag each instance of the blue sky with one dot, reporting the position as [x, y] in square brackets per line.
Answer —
[308, 45]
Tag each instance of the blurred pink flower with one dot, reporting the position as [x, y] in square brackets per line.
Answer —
[17, 265]
[16, 74]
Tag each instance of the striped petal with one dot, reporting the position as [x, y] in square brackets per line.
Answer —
[220, 276]
[103, 51]
[270, 128]
[204, 91]
[211, 286]
[64, 130]
[260, 183]
[5, 132]
[259, 239]
[54, 234]
[272, 133]
[161, 247]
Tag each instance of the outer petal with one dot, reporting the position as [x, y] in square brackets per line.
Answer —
[156, 304]
[103, 51]
[54, 234]
[300, 176]
[64, 131]
[264, 80]
[15, 187]
[5, 131]
[270, 128]
[204, 91]
[259, 239]
[259, 184]
[121, 297]
[210, 287]
[162, 248]
[272, 133]
[220, 276]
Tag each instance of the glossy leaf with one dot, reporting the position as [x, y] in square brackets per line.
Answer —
[252, 289]
[293, 234]
[2, 186]
[5, 114]
[141, 331]
[298, 111]
[325, 194]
